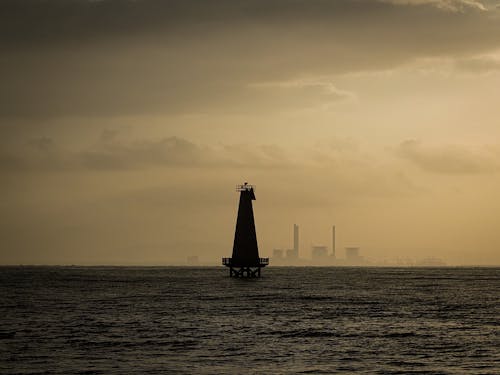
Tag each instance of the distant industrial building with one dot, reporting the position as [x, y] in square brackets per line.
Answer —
[431, 262]
[294, 253]
[352, 255]
[288, 256]
[319, 252]
[278, 254]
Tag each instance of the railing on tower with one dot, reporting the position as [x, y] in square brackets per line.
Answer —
[228, 261]
[245, 187]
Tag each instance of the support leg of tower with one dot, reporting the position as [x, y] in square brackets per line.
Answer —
[249, 272]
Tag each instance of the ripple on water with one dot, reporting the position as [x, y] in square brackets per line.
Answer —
[306, 320]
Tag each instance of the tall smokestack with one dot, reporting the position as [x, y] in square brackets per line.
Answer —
[333, 241]
[296, 239]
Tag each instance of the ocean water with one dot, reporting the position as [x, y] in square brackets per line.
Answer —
[57, 320]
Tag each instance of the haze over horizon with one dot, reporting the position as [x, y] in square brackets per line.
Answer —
[125, 126]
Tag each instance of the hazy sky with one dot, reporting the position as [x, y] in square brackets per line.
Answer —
[125, 126]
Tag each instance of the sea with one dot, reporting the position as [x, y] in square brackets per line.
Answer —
[292, 320]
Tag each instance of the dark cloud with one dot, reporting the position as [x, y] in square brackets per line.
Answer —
[42, 144]
[478, 65]
[111, 154]
[38, 154]
[134, 57]
[55, 22]
[447, 160]
[449, 5]
[171, 151]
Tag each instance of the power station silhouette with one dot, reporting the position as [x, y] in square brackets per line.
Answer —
[245, 260]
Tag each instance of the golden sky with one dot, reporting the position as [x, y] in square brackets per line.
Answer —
[125, 126]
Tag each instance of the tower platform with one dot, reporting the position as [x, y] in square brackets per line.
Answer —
[238, 270]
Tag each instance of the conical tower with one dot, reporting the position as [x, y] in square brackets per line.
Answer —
[245, 261]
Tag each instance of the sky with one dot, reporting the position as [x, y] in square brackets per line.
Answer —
[126, 125]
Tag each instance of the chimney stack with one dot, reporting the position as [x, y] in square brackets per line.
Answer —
[333, 241]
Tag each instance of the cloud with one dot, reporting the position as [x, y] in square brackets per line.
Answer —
[478, 65]
[447, 159]
[179, 152]
[303, 93]
[37, 154]
[170, 151]
[155, 57]
[43, 144]
[110, 154]
[450, 5]
[340, 163]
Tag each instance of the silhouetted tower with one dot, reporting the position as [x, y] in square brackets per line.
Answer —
[333, 241]
[245, 261]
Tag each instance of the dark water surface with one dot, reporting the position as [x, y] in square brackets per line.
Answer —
[57, 320]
